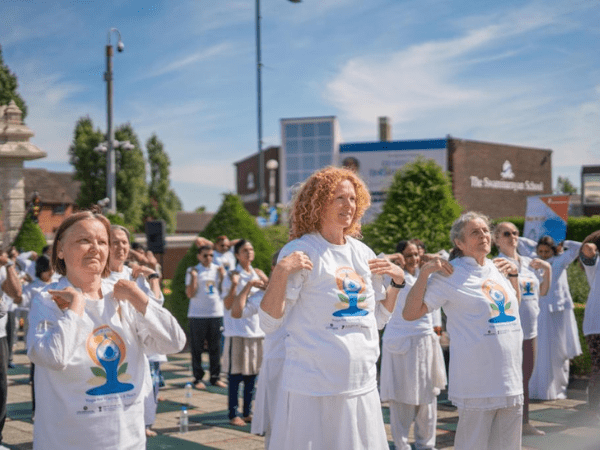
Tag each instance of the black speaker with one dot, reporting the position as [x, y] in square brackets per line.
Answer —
[155, 236]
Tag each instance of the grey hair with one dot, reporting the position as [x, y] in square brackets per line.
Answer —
[458, 227]
[121, 228]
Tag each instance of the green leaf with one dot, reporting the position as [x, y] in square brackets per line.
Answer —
[122, 369]
[97, 371]
[343, 298]
[507, 305]
[494, 307]
[362, 299]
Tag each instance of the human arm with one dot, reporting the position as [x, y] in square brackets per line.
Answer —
[415, 307]
[273, 302]
[12, 285]
[191, 286]
[380, 266]
[234, 280]
[526, 246]
[510, 271]
[546, 268]
[239, 301]
[150, 277]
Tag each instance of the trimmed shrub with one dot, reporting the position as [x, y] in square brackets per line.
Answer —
[30, 237]
[582, 364]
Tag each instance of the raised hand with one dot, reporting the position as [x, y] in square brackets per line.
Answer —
[68, 298]
[380, 266]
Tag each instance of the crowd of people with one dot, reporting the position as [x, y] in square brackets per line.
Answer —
[304, 343]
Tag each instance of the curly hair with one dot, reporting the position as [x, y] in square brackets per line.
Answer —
[317, 192]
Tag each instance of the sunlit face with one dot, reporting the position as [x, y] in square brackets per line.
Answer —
[206, 257]
[340, 212]
[411, 258]
[223, 246]
[3, 257]
[119, 246]
[544, 251]
[245, 254]
[476, 240]
[507, 237]
[46, 277]
[84, 247]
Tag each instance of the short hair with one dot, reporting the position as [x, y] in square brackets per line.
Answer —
[204, 248]
[238, 245]
[547, 240]
[498, 227]
[593, 238]
[59, 264]
[317, 192]
[221, 238]
[419, 243]
[457, 231]
[400, 246]
[121, 228]
[42, 264]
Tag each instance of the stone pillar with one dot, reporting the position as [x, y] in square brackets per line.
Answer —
[15, 148]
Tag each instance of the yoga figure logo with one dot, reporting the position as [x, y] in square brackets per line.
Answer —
[352, 285]
[499, 307]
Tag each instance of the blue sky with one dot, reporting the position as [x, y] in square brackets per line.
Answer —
[515, 72]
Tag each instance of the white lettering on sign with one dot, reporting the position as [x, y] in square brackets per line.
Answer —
[485, 182]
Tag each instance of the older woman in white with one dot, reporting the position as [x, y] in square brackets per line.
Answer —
[332, 309]
[87, 339]
[481, 301]
[535, 276]
[412, 366]
[558, 337]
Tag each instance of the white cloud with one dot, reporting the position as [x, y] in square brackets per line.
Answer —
[209, 173]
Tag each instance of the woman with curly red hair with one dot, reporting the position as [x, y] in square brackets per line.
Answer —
[332, 301]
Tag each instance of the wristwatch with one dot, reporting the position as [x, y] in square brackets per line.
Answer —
[152, 276]
[396, 285]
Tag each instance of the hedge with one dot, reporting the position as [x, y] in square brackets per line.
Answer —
[578, 228]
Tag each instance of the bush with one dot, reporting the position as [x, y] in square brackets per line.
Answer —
[233, 220]
[582, 364]
[30, 237]
[578, 228]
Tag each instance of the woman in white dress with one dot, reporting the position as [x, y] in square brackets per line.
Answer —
[412, 365]
[480, 299]
[558, 337]
[332, 309]
[87, 339]
[535, 276]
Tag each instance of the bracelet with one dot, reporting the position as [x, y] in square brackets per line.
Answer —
[512, 275]
[396, 285]
[152, 276]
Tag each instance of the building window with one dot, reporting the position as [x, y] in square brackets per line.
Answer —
[291, 130]
[308, 129]
[324, 129]
[250, 182]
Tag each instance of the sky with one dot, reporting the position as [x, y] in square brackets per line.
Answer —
[513, 72]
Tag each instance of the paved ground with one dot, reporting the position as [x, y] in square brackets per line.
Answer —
[565, 421]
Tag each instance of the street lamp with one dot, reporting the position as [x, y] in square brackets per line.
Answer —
[272, 166]
[261, 156]
[111, 190]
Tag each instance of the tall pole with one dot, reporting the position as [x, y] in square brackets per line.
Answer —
[261, 156]
[111, 190]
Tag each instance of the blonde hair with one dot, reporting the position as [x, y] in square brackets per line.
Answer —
[317, 192]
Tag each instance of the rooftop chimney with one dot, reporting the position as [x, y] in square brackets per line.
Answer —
[385, 130]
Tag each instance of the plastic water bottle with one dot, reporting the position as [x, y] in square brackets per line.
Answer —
[188, 393]
[184, 420]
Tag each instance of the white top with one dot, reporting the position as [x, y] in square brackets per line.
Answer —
[333, 343]
[529, 283]
[90, 370]
[226, 260]
[485, 331]
[144, 285]
[207, 302]
[591, 318]
[559, 296]
[246, 326]
[397, 327]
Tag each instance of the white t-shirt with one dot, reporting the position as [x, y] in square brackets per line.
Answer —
[207, 302]
[226, 260]
[333, 342]
[591, 318]
[397, 327]
[90, 370]
[529, 282]
[559, 296]
[246, 326]
[484, 327]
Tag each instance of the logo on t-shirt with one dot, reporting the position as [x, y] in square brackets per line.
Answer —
[527, 287]
[500, 308]
[107, 350]
[352, 285]
[210, 287]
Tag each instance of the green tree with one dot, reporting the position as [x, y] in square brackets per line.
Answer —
[564, 186]
[90, 169]
[89, 165]
[419, 204]
[162, 203]
[200, 209]
[233, 220]
[30, 237]
[8, 87]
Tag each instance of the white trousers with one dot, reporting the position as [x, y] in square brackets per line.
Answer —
[425, 419]
[495, 429]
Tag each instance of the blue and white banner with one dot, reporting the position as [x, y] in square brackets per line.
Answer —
[547, 216]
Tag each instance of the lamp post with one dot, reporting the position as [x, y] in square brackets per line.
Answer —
[111, 186]
[261, 156]
[111, 190]
[272, 166]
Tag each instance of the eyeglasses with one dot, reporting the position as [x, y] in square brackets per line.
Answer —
[510, 233]
[210, 255]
